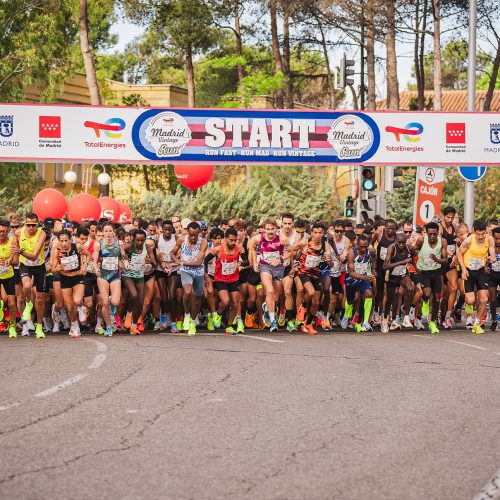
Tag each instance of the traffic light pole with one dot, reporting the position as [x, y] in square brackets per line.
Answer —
[360, 191]
[471, 103]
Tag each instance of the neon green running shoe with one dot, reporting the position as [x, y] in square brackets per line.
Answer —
[178, 324]
[230, 330]
[469, 309]
[1, 310]
[192, 329]
[240, 327]
[186, 323]
[39, 331]
[477, 329]
[27, 311]
[425, 308]
[217, 319]
[358, 328]
[12, 331]
[433, 327]
[210, 322]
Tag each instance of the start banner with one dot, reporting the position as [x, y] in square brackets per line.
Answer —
[92, 134]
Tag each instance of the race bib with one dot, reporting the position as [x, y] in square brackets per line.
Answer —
[166, 256]
[361, 267]
[430, 263]
[269, 256]
[90, 267]
[474, 264]
[335, 267]
[211, 267]
[229, 268]
[28, 262]
[70, 263]
[383, 253]
[451, 249]
[188, 258]
[110, 263]
[287, 262]
[312, 261]
[148, 268]
[496, 265]
[136, 262]
[399, 271]
[4, 270]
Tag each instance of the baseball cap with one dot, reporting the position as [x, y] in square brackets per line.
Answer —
[49, 222]
[203, 225]
[185, 223]
[67, 225]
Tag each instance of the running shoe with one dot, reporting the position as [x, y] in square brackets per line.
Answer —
[39, 331]
[344, 323]
[273, 327]
[469, 322]
[230, 330]
[433, 327]
[134, 330]
[282, 317]
[112, 309]
[217, 319]
[12, 331]
[157, 326]
[3, 327]
[108, 332]
[128, 321]
[494, 325]
[178, 324]
[240, 327]
[186, 323]
[56, 317]
[249, 320]
[377, 319]
[425, 308]
[395, 325]
[301, 314]
[366, 327]
[412, 314]
[325, 324]
[407, 322]
[140, 325]
[47, 324]
[27, 311]
[447, 325]
[25, 331]
[477, 329]
[309, 329]
[192, 329]
[99, 329]
[163, 321]
[419, 325]
[384, 327]
[291, 326]
[82, 314]
[173, 328]
[266, 317]
[357, 327]
[74, 333]
[1, 310]
[210, 322]
[31, 326]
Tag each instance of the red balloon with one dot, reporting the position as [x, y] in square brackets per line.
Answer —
[194, 176]
[83, 207]
[125, 212]
[110, 209]
[50, 203]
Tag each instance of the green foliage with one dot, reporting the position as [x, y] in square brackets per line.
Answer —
[400, 201]
[18, 186]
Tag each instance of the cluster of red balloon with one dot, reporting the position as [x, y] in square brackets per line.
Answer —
[82, 207]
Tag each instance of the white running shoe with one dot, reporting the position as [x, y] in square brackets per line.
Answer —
[469, 322]
[74, 332]
[55, 328]
[384, 327]
[419, 325]
[25, 332]
[366, 327]
[48, 324]
[407, 322]
[157, 326]
[30, 325]
[82, 314]
[56, 316]
[65, 320]
[395, 325]
[376, 318]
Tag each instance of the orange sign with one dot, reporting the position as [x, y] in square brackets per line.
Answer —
[428, 194]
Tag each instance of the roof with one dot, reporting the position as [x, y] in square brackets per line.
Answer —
[452, 100]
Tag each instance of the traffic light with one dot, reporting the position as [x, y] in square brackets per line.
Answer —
[398, 172]
[349, 207]
[345, 72]
[368, 179]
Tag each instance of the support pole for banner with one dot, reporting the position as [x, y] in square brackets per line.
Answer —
[471, 103]
[358, 201]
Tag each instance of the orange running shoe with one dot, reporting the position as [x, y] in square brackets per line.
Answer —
[134, 330]
[128, 321]
[309, 329]
[140, 325]
[325, 324]
[301, 314]
[249, 321]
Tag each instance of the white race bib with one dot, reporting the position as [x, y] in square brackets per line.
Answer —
[287, 262]
[399, 270]
[312, 261]
[90, 267]
[361, 267]
[496, 265]
[474, 264]
[430, 263]
[383, 253]
[4, 270]
[166, 256]
[270, 256]
[451, 249]
[189, 258]
[28, 262]
[211, 267]
[110, 263]
[70, 263]
[229, 268]
[136, 262]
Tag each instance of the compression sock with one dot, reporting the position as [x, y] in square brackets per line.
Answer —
[367, 310]
[348, 310]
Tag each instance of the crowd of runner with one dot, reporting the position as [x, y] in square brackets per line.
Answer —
[173, 275]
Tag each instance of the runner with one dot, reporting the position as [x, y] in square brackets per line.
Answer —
[32, 267]
[189, 251]
[107, 255]
[70, 260]
[8, 258]
[216, 236]
[494, 280]
[450, 273]
[359, 282]
[271, 269]
[432, 255]
[473, 257]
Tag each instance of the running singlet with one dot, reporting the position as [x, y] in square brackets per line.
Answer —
[270, 250]
[362, 265]
[69, 260]
[425, 263]
[451, 246]
[6, 271]
[189, 254]
[400, 270]
[90, 262]
[137, 262]
[165, 248]
[110, 259]
[310, 260]
[382, 247]
[226, 266]
[28, 244]
[338, 268]
[287, 262]
[475, 255]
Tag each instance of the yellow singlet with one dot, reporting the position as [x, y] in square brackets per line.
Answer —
[475, 255]
[6, 272]
[28, 245]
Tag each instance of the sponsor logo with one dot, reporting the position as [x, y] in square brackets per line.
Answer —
[49, 127]
[350, 136]
[409, 133]
[455, 133]
[430, 175]
[6, 125]
[111, 128]
[168, 133]
[495, 133]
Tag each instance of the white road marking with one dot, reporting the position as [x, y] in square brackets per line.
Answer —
[491, 489]
[8, 407]
[468, 345]
[421, 336]
[261, 338]
[62, 385]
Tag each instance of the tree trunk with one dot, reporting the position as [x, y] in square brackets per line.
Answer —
[493, 80]
[418, 76]
[362, 87]
[278, 66]
[146, 177]
[329, 76]
[335, 191]
[436, 14]
[239, 50]
[421, 90]
[190, 76]
[90, 73]
[391, 63]
[288, 98]
[370, 55]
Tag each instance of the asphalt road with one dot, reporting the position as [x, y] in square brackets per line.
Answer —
[337, 416]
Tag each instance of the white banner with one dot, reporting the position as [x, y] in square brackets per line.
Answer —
[91, 134]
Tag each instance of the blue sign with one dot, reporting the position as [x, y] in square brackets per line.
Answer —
[472, 173]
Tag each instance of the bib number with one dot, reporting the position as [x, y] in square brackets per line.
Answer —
[270, 256]
[383, 253]
[399, 271]
[110, 263]
[4, 270]
[166, 257]
[211, 267]
[136, 263]
[312, 261]
[496, 265]
[451, 249]
[475, 264]
[228, 268]
[361, 267]
[70, 263]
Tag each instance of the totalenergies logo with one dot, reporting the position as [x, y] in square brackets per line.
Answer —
[111, 127]
[410, 132]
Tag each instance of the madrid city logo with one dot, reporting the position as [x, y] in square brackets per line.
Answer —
[495, 133]
[6, 125]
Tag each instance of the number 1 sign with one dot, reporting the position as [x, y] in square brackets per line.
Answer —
[428, 194]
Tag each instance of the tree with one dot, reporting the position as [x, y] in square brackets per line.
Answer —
[18, 185]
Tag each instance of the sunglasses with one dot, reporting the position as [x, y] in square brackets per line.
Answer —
[15, 227]
[339, 231]
[300, 231]
[31, 225]
[407, 232]
[4, 230]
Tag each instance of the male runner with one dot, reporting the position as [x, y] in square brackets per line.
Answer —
[450, 272]
[494, 279]
[8, 259]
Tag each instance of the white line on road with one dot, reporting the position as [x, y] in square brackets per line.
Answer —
[97, 362]
[8, 407]
[491, 489]
[421, 336]
[468, 345]
[58, 387]
[261, 338]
